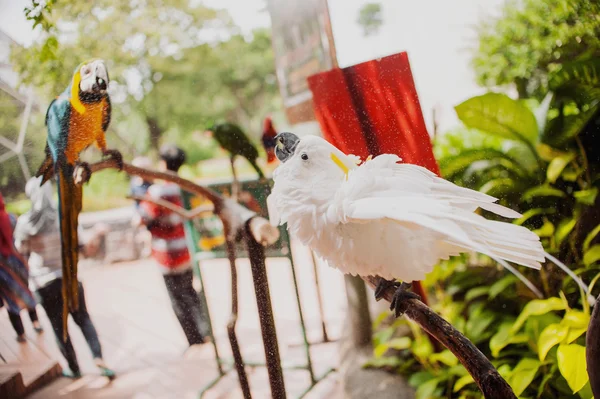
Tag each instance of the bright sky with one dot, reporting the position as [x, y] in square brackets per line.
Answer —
[436, 34]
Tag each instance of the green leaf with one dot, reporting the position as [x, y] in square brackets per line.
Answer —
[537, 307]
[462, 382]
[552, 335]
[592, 255]
[590, 237]
[421, 346]
[419, 378]
[564, 229]
[572, 365]
[500, 285]
[446, 357]
[542, 191]
[523, 374]
[546, 230]
[541, 113]
[380, 362]
[533, 212]
[557, 165]
[426, 390]
[454, 165]
[586, 197]
[585, 72]
[560, 130]
[476, 292]
[499, 115]
[400, 343]
[498, 187]
[505, 337]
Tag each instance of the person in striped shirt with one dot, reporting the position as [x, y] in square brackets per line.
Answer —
[169, 248]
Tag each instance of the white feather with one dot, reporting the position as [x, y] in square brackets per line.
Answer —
[389, 219]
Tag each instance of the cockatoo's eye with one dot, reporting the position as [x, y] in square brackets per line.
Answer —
[304, 157]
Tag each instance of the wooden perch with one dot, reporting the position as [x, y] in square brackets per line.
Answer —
[184, 213]
[233, 215]
[592, 344]
[491, 384]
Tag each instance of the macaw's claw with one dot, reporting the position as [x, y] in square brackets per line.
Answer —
[82, 173]
[116, 155]
[382, 286]
[401, 296]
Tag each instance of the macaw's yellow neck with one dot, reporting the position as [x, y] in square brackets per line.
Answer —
[75, 101]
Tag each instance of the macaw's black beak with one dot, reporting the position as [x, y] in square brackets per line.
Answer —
[285, 145]
[100, 84]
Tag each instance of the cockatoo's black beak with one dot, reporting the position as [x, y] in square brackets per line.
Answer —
[285, 145]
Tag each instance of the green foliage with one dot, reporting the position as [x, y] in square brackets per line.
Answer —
[536, 344]
[532, 38]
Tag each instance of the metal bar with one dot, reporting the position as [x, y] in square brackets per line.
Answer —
[321, 377]
[211, 384]
[25, 122]
[302, 324]
[319, 297]
[256, 254]
[235, 347]
[192, 239]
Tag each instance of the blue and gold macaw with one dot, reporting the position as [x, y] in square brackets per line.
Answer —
[76, 119]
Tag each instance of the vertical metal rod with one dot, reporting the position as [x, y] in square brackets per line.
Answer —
[319, 298]
[309, 365]
[256, 253]
[192, 239]
[235, 347]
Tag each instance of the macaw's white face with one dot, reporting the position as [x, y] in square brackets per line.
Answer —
[94, 79]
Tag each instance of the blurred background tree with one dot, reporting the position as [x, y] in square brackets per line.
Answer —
[168, 82]
[370, 18]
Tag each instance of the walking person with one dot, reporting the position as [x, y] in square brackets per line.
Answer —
[14, 290]
[37, 234]
[169, 248]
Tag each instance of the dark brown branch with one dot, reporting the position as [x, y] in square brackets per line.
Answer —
[592, 344]
[233, 215]
[491, 384]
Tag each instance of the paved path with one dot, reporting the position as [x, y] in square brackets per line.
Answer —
[143, 341]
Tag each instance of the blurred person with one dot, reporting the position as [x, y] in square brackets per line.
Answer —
[138, 186]
[14, 272]
[15, 319]
[37, 235]
[169, 248]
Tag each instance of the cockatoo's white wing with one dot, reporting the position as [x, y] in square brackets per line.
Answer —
[410, 219]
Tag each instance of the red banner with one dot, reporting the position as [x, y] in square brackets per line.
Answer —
[373, 108]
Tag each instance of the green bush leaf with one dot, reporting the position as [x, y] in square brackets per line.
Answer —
[505, 337]
[557, 165]
[552, 335]
[586, 197]
[446, 357]
[499, 115]
[546, 230]
[500, 285]
[499, 187]
[400, 343]
[560, 130]
[476, 292]
[523, 374]
[454, 165]
[564, 229]
[533, 212]
[572, 365]
[537, 307]
[542, 191]
[590, 237]
[462, 382]
[592, 255]
[426, 390]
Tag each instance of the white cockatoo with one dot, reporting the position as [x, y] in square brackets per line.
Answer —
[388, 219]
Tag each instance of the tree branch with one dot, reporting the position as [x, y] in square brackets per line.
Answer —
[491, 384]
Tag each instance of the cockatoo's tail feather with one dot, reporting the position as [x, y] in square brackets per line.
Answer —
[389, 219]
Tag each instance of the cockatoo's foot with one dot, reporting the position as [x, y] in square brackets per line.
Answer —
[116, 155]
[83, 172]
[401, 295]
[383, 285]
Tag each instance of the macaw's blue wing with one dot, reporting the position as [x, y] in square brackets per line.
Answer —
[69, 198]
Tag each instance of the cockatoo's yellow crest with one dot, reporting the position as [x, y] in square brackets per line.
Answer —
[340, 164]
